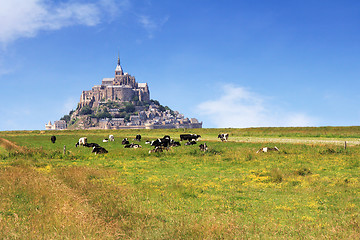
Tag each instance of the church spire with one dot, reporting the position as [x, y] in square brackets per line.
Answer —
[118, 69]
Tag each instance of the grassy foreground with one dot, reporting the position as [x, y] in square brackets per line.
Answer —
[229, 192]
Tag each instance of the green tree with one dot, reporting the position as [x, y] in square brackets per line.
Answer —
[86, 110]
[162, 108]
[127, 117]
[104, 114]
[129, 108]
[156, 102]
[66, 118]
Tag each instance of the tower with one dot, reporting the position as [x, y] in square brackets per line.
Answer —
[118, 69]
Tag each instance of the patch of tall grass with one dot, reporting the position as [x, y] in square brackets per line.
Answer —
[34, 206]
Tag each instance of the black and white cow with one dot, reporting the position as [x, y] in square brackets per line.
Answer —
[174, 143]
[138, 138]
[98, 150]
[267, 149]
[132, 145]
[53, 139]
[192, 142]
[163, 142]
[203, 147]
[125, 141]
[223, 137]
[189, 137]
[81, 141]
[111, 138]
[91, 145]
[157, 149]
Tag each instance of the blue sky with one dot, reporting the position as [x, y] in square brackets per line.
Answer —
[228, 63]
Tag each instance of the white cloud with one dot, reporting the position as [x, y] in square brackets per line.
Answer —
[150, 25]
[114, 7]
[25, 18]
[239, 107]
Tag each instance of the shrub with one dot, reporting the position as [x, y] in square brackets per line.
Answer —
[86, 110]
[129, 108]
[66, 118]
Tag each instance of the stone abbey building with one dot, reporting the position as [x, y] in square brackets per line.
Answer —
[122, 87]
[122, 103]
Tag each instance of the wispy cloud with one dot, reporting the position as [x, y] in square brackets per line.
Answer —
[151, 25]
[25, 18]
[239, 107]
[114, 8]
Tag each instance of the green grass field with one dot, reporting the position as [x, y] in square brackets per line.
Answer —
[305, 191]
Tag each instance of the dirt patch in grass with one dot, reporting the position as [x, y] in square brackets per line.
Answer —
[10, 146]
[317, 141]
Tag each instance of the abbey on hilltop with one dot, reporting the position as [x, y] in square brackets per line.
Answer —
[122, 87]
[122, 103]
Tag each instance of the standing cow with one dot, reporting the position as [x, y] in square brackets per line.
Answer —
[111, 138]
[53, 139]
[82, 141]
[203, 147]
[138, 137]
[223, 137]
[189, 137]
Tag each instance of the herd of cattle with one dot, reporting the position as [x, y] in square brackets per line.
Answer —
[159, 144]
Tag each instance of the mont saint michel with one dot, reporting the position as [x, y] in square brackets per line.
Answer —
[121, 103]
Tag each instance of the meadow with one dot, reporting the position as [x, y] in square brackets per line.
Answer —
[304, 191]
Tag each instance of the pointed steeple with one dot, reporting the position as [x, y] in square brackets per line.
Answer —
[118, 69]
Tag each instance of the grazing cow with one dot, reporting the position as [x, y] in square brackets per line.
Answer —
[81, 141]
[192, 142]
[267, 149]
[105, 140]
[132, 145]
[111, 138]
[98, 150]
[125, 141]
[223, 137]
[138, 138]
[161, 142]
[91, 145]
[203, 147]
[189, 137]
[156, 143]
[53, 139]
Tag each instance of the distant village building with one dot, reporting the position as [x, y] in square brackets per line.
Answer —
[58, 125]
